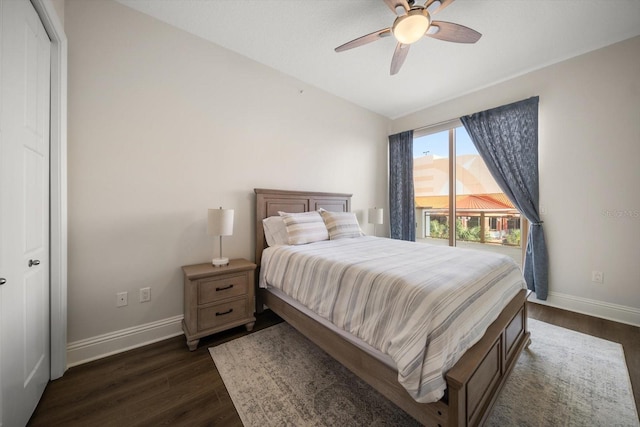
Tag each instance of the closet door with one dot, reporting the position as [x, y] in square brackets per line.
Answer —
[24, 211]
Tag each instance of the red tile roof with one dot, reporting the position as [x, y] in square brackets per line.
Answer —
[480, 202]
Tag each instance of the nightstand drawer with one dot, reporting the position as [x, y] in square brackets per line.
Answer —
[221, 314]
[212, 290]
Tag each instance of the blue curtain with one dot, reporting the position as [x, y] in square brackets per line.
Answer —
[507, 140]
[401, 200]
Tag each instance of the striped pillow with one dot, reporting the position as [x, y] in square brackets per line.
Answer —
[304, 227]
[341, 225]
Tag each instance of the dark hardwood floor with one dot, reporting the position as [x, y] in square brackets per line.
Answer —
[163, 384]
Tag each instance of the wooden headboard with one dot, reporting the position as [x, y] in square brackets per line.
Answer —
[269, 202]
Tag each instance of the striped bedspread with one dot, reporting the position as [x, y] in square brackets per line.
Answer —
[423, 305]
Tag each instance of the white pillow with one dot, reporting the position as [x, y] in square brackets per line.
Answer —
[275, 231]
[304, 227]
[341, 225]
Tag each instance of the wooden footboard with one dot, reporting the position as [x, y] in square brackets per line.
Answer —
[473, 383]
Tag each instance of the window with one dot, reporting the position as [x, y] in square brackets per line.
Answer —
[453, 186]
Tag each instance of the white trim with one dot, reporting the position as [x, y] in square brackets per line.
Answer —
[94, 348]
[1, 141]
[58, 184]
[603, 310]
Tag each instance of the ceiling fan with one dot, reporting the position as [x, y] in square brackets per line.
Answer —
[411, 24]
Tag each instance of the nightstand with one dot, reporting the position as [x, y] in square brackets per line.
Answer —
[217, 298]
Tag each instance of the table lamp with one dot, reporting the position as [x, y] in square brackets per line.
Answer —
[220, 223]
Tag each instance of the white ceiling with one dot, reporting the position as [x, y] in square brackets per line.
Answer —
[297, 37]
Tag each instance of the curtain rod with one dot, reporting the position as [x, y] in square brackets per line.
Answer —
[442, 123]
[445, 122]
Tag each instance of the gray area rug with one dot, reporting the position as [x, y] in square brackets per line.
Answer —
[277, 377]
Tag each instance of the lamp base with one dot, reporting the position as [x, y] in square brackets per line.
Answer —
[220, 262]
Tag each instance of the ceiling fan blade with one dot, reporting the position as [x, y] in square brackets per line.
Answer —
[435, 6]
[376, 35]
[450, 32]
[399, 56]
[395, 4]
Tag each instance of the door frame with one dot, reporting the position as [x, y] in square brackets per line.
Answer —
[58, 185]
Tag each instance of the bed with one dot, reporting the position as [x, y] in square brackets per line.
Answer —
[472, 384]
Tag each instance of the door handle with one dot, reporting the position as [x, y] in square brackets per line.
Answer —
[33, 262]
[3, 280]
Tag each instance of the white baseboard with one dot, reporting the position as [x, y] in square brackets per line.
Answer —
[603, 310]
[94, 348]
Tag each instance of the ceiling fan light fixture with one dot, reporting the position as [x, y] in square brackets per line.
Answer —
[411, 27]
[412, 22]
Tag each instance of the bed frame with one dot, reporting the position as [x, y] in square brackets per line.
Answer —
[473, 384]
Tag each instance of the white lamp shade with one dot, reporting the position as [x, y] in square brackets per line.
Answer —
[376, 216]
[220, 222]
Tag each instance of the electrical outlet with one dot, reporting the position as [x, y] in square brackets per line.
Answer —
[145, 294]
[597, 276]
[121, 300]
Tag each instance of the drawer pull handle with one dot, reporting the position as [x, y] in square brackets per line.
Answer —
[224, 289]
[224, 312]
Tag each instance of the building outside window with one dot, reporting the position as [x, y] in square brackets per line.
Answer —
[485, 218]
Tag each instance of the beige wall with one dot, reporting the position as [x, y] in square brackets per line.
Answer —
[162, 126]
[58, 5]
[589, 145]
